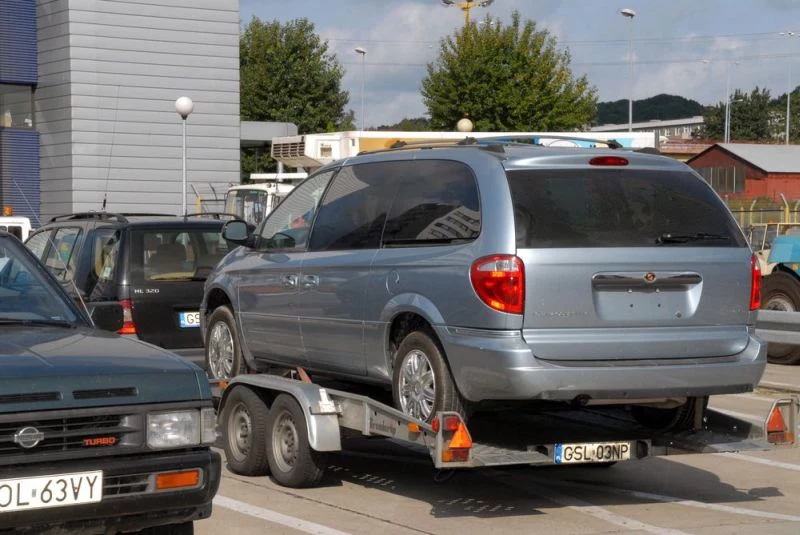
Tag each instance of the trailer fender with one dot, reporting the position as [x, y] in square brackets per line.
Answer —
[322, 416]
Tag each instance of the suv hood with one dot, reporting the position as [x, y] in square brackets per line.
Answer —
[47, 368]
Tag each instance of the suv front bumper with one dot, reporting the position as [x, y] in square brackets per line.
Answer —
[499, 365]
[131, 509]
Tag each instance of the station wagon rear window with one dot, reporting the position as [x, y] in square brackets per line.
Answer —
[613, 208]
[172, 255]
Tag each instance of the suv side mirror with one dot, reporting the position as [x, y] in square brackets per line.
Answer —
[106, 315]
[236, 231]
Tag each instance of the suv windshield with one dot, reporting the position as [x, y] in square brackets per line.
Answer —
[613, 208]
[26, 294]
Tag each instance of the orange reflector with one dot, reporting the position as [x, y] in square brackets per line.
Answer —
[223, 385]
[461, 438]
[414, 428]
[776, 424]
[455, 456]
[175, 480]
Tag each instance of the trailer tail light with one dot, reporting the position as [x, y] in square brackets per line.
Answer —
[608, 161]
[499, 281]
[780, 423]
[128, 326]
[755, 284]
[453, 441]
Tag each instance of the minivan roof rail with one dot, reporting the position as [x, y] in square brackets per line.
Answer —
[492, 143]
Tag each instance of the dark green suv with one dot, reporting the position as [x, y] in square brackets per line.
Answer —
[98, 433]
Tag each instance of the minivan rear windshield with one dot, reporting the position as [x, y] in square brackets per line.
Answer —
[618, 208]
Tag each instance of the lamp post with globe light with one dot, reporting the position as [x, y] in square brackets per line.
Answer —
[789, 87]
[363, 53]
[184, 106]
[630, 14]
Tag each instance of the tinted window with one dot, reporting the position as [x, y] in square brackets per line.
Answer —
[63, 254]
[605, 208]
[288, 226]
[105, 252]
[38, 243]
[175, 255]
[354, 209]
[437, 202]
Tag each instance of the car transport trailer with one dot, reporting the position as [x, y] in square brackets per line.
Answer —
[286, 426]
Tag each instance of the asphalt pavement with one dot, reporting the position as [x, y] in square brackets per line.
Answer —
[382, 487]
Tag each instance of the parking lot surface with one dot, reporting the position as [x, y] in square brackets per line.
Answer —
[382, 487]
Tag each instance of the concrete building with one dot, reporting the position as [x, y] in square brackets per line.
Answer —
[672, 128]
[104, 101]
[751, 170]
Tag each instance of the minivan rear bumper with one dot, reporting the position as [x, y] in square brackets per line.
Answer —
[499, 365]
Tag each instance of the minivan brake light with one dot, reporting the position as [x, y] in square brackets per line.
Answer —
[499, 281]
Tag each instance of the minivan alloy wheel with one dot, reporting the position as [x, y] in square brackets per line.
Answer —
[417, 385]
[220, 351]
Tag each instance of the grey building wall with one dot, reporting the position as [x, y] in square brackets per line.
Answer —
[110, 72]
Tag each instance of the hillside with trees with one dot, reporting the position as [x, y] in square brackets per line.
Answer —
[660, 107]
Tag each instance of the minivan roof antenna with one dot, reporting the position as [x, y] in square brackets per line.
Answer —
[111, 151]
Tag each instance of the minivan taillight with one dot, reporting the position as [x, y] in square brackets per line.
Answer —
[128, 326]
[755, 284]
[499, 281]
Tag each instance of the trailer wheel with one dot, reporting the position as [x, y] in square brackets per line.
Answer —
[781, 291]
[421, 380]
[292, 461]
[223, 355]
[245, 432]
[675, 419]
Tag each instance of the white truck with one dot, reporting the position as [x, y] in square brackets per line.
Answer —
[17, 226]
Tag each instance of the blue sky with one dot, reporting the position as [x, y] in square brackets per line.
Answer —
[680, 46]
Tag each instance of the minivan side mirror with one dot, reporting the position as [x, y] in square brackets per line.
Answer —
[236, 231]
[106, 315]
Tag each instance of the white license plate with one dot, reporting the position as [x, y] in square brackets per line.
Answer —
[61, 490]
[600, 452]
[189, 319]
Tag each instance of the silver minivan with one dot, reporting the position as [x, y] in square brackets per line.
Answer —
[467, 274]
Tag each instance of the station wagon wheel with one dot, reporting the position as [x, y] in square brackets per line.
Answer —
[781, 291]
[244, 421]
[223, 354]
[292, 461]
[421, 381]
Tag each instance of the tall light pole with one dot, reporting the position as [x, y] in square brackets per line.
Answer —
[184, 106]
[726, 135]
[363, 53]
[789, 88]
[630, 14]
[466, 6]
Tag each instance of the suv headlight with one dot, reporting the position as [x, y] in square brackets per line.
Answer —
[175, 429]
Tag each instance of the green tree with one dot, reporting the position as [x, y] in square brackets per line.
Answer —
[750, 117]
[778, 113]
[287, 74]
[660, 107]
[416, 124]
[506, 78]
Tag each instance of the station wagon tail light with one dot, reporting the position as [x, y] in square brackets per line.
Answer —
[128, 326]
[608, 160]
[499, 281]
[755, 285]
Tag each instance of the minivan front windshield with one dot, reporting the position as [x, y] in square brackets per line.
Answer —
[26, 294]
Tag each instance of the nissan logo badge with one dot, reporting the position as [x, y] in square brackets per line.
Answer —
[28, 437]
[650, 277]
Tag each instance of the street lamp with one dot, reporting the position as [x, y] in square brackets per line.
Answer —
[788, 87]
[184, 106]
[363, 53]
[729, 120]
[726, 136]
[630, 14]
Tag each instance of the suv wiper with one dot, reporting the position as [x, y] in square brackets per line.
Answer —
[49, 323]
[683, 238]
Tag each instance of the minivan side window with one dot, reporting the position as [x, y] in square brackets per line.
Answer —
[354, 209]
[437, 203]
[288, 226]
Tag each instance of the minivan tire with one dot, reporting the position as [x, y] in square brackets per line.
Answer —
[781, 291]
[223, 325]
[679, 418]
[426, 354]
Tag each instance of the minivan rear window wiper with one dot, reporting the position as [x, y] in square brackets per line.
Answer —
[46, 323]
[683, 238]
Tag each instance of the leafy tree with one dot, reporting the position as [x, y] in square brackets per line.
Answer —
[660, 107]
[778, 113]
[287, 74]
[417, 124]
[506, 78]
[750, 117]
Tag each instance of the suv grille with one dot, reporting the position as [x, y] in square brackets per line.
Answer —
[63, 434]
[125, 485]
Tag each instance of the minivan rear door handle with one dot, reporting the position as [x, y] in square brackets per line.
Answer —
[310, 281]
[645, 279]
[289, 281]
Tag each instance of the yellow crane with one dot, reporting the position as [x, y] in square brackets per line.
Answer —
[467, 5]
